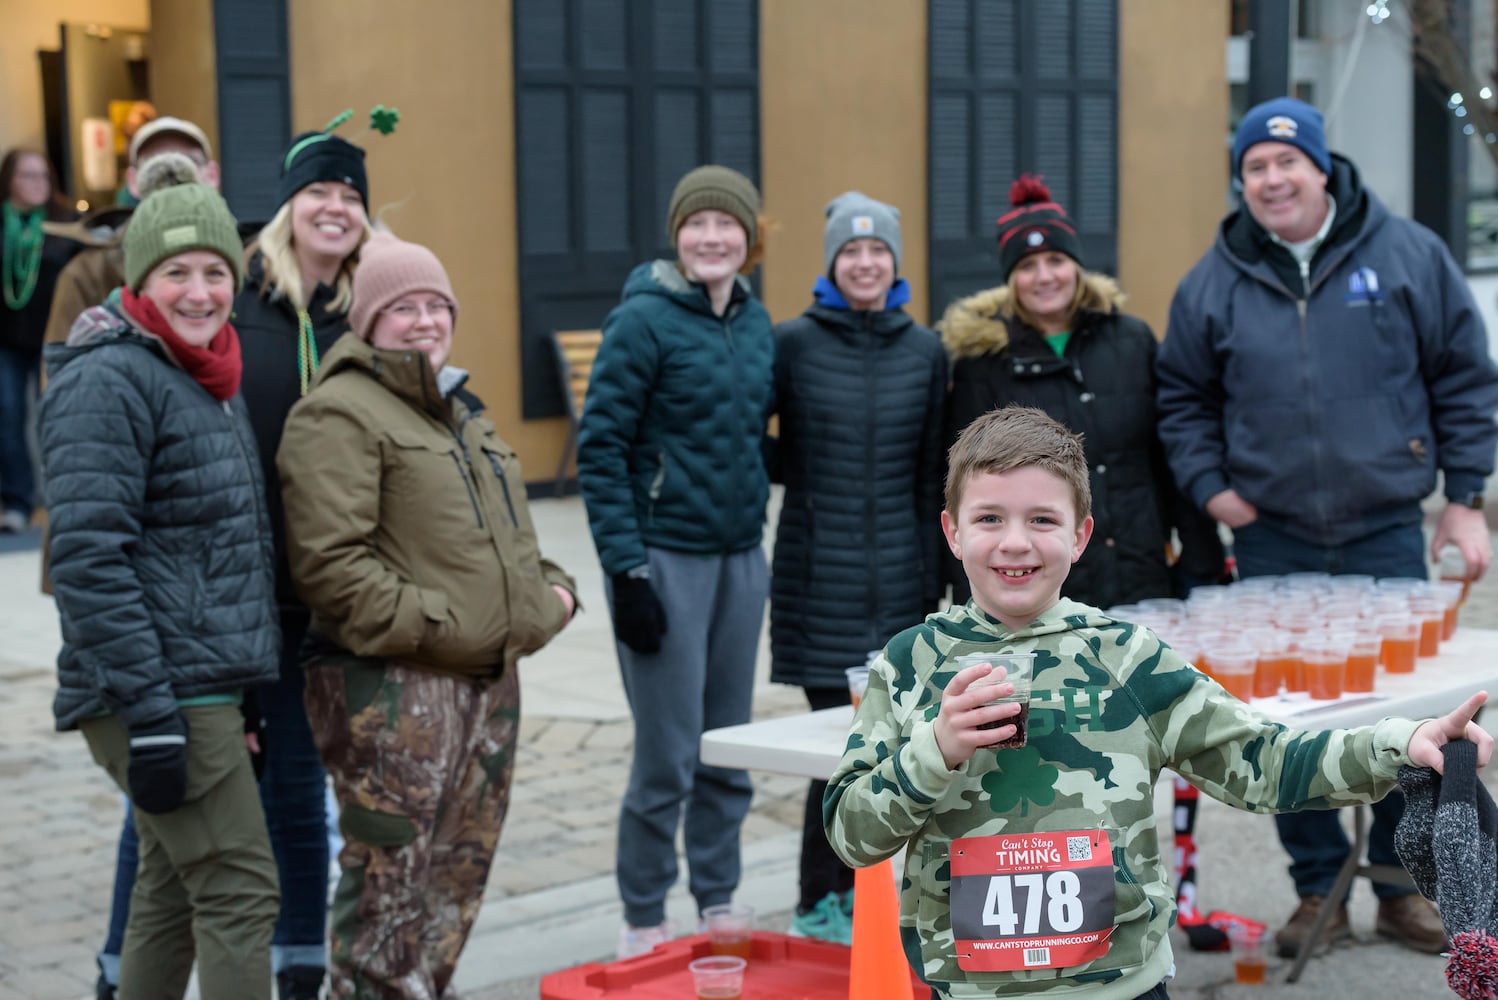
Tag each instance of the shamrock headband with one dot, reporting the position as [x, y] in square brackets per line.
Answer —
[323, 156]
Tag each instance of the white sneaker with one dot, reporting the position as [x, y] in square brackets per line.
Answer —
[13, 522]
[642, 940]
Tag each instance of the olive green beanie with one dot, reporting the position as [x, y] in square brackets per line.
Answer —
[175, 219]
[715, 187]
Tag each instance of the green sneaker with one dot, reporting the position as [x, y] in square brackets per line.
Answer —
[826, 922]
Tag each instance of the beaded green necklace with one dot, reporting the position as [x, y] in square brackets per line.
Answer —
[306, 350]
[23, 255]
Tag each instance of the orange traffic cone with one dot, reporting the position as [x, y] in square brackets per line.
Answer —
[879, 970]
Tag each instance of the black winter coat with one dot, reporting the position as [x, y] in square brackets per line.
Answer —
[161, 554]
[268, 337]
[22, 330]
[1104, 389]
[858, 548]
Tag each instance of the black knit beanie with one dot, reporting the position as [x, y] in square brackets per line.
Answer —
[1035, 224]
[1448, 841]
[322, 156]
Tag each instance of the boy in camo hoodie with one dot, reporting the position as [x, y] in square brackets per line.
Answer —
[1036, 871]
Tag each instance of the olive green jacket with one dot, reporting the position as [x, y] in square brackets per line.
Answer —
[407, 527]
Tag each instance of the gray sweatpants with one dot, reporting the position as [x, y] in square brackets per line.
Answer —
[702, 678]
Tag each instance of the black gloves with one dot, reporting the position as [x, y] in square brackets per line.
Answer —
[254, 722]
[639, 619]
[158, 764]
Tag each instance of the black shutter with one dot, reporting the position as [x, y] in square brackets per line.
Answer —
[254, 102]
[1019, 87]
[614, 101]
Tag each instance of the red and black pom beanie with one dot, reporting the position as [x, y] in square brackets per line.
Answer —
[1034, 224]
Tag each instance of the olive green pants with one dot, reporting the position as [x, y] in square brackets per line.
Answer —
[206, 887]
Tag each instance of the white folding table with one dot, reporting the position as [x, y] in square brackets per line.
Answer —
[810, 744]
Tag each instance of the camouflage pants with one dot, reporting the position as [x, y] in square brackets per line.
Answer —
[421, 766]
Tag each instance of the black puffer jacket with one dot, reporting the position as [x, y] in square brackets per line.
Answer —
[268, 337]
[1104, 389]
[857, 551]
[161, 554]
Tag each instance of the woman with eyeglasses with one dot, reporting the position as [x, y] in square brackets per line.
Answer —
[409, 538]
[30, 262]
[294, 307]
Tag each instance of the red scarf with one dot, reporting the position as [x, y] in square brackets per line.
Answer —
[216, 367]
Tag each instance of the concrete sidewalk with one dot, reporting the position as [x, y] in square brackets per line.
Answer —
[551, 902]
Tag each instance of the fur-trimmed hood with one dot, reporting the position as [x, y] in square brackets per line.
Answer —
[978, 324]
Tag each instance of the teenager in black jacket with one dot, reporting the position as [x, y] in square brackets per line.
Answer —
[1053, 337]
[859, 386]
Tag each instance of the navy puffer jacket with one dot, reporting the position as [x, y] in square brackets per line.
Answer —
[161, 550]
[670, 451]
[858, 547]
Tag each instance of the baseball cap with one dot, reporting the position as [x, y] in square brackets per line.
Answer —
[158, 126]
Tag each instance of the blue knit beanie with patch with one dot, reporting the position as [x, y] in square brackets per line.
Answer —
[1286, 120]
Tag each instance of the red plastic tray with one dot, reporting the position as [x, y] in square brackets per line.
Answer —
[781, 967]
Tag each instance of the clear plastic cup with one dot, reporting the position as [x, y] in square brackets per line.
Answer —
[1250, 954]
[1431, 611]
[858, 683]
[1362, 660]
[1233, 666]
[1276, 664]
[1401, 642]
[1451, 593]
[1326, 666]
[1451, 567]
[718, 977]
[730, 929]
[1009, 668]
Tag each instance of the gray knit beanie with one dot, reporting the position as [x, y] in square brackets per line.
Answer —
[1448, 841]
[853, 214]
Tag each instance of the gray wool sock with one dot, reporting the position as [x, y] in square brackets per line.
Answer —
[1463, 843]
[1412, 838]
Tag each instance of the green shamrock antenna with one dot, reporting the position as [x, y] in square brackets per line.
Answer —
[383, 119]
[339, 119]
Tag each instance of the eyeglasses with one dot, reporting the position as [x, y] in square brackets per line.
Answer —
[410, 312]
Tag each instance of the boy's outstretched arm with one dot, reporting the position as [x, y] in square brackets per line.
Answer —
[1425, 745]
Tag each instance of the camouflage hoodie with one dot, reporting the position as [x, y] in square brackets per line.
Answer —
[1111, 706]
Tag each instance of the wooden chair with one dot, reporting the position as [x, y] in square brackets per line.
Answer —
[575, 351]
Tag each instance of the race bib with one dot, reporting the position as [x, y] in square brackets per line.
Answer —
[1032, 900]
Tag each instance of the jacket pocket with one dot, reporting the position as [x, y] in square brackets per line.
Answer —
[427, 470]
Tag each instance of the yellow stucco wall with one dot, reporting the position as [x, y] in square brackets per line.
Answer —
[843, 106]
[1172, 159]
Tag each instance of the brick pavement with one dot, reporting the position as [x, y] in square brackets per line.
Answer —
[60, 816]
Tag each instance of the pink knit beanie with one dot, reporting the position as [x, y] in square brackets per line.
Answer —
[388, 269]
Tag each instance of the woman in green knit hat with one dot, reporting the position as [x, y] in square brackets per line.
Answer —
[161, 569]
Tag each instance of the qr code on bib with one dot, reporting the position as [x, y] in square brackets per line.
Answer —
[1079, 848]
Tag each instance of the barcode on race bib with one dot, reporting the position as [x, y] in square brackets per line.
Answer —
[1078, 848]
[1037, 956]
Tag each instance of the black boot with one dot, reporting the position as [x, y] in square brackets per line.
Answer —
[102, 989]
[300, 982]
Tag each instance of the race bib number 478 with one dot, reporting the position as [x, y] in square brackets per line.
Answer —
[1032, 901]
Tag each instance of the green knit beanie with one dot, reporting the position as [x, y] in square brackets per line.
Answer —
[176, 219]
[715, 187]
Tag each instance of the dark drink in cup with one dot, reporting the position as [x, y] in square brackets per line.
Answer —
[1021, 724]
[1008, 668]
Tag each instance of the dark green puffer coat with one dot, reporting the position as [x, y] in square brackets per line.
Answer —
[670, 452]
